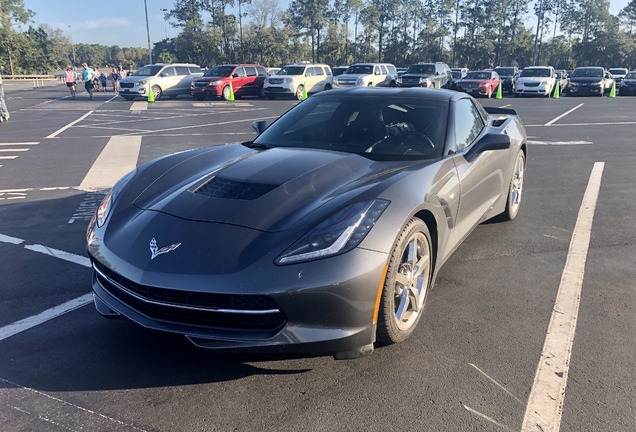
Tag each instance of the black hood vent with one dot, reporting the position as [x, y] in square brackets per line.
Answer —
[219, 187]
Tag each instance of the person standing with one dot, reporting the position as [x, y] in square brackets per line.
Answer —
[4, 112]
[87, 77]
[102, 80]
[70, 78]
[114, 75]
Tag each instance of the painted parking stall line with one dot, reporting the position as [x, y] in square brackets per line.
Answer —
[30, 322]
[545, 403]
[556, 119]
[118, 158]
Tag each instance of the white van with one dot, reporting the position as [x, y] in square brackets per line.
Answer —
[536, 80]
[164, 79]
[293, 79]
[367, 74]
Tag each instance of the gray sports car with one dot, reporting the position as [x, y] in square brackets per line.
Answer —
[323, 235]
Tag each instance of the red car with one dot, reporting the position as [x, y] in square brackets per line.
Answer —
[244, 79]
[479, 83]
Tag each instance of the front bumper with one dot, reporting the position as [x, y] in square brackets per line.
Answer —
[585, 90]
[321, 307]
[209, 91]
[541, 90]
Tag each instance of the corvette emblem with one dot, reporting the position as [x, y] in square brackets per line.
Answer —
[156, 251]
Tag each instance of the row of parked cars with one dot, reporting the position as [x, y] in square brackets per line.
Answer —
[294, 80]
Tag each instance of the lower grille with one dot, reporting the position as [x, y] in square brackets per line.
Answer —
[126, 85]
[222, 311]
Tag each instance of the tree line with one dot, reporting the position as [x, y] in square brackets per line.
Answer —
[463, 33]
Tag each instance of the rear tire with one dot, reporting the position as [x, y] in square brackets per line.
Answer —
[407, 282]
[515, 189]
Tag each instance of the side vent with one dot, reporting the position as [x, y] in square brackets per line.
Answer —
[222, 188]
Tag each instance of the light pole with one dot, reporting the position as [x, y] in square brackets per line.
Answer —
[165, 20]
[72, 44]
[148, 32]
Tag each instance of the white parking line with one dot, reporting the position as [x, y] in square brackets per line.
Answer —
[545, 403]
[139, 106]
[117, 159]
[59, 131]
[559, 142]
[30, 322]
[556, 119]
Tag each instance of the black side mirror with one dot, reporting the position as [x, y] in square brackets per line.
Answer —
[259, 126]
[487, 143]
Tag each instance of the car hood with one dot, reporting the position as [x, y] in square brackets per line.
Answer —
[210, 78]
[473, 81]
[586, 79]
[416, 75]
[267, 190]
[354, 76]
[533, 79]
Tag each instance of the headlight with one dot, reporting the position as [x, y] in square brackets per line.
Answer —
[600, 83]
[399, 80]
[143, 82]
[214, 83]
[360, 81]
[339, 233]
[287, 81]
[573, 84]
[107, 203]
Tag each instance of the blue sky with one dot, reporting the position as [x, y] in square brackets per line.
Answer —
[123, 22]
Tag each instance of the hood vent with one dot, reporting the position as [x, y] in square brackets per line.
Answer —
[223, 188]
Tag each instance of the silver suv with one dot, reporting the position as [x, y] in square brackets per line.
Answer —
[367, 74]
[294, 79]
[163, 79]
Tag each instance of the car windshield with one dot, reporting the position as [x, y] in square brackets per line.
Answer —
[292, 70]
[382, 127]
[617, 71]
[631, 75]
[535, 72]
[338, 71]
[219, 71]
[505, 71]
[151, 70]
[360, 69]
[477, 75]
[587, 73]
[421, 69]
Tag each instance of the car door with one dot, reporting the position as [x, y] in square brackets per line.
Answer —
[239, 81]
[482, 178]
[168, 80]
[249, 83]
[184, 79]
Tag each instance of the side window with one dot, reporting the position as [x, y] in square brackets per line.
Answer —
[250, 71]
[310, 71]
[318, 71]
[240, 72]
[468, 123]
[376, 70]
[392, 69]
[261, 71]
[168, 71]
[194, 69]
[384, 71]
[182, 70]
[328, 70]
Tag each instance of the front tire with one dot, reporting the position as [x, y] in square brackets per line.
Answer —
[515, 189]
[156, 91]
[226, 92]
[406, 284]
[299, 92]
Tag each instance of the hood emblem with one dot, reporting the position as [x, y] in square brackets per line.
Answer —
[156, 251]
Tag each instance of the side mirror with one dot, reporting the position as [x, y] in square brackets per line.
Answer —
[259, 126]
[487, 143]
[235, 75]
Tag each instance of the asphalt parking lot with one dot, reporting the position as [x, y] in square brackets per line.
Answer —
[471, 364]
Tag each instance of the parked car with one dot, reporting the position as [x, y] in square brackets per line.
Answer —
[479, 83]
[242, 79]
[163, 79]
[508, 76]
[293, 79]
[536, 81]
[590, 81]
[401, 70]
[430, 75]
[339, 70]
[457, 74]
[367, 74]
[628, 87]
[272, 71]
[322, 235]
[618, 74]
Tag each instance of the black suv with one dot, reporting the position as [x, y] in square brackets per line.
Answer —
[508, 76]
[429, 75]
